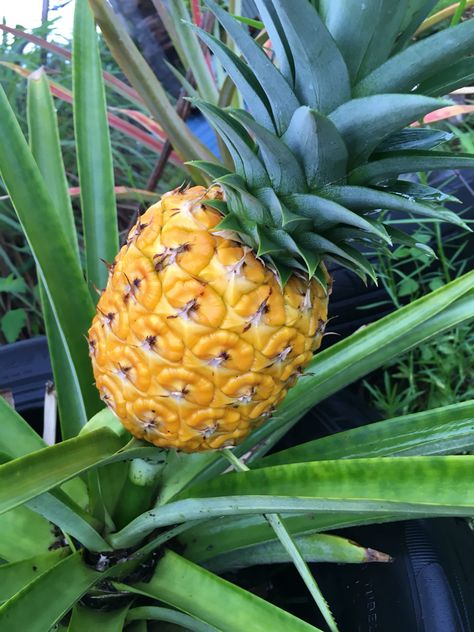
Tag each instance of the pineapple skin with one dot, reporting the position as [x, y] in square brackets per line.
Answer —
[194, 342]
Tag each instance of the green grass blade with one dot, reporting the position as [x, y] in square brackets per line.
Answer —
[55, 258]
[94, 154]
[439, 431]
[141, 76]
[46, 600]
[31, 475]
[45, 146]
[16, 575]
[198, 592]
[191, 48]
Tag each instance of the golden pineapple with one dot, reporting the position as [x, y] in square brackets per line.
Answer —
[195, 341]
[219, 297]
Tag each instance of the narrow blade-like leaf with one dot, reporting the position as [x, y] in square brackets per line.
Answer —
[94, 154]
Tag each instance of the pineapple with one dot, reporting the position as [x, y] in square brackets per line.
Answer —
[218, 299]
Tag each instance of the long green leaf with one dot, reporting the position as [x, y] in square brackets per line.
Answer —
[313, 548]
[458, 75]
[365, 198]
[31, 475]
[94, 153]
[392, 164]
[428, 56]
[61, 511]
[439, 431]
[282, 99]
[46, 149]
[321, 76]
[55, 258]
[198, 592]
[364, 31]
[215, 537]
[145, 82]
[373, 486]
[445, 484]
[46, 600]
[255, 98]
[195, 59]
[16, 575]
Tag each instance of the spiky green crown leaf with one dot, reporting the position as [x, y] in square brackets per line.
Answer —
[318, 153]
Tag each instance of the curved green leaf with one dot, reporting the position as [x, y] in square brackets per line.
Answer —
[413, 138]
[281, 165]
[364, 198]
[313, 548]
[432, 432]
[46, 600]
[16, 575]
[364, 123]
[31, 475]
[326, 213]
[17, 437]
[192, 51]
[393, 164]
[315, 141]
[242, 76]
[198, 592]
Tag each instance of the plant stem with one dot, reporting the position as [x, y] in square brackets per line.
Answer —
[276, 523]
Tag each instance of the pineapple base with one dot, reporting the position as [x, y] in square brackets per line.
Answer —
[195, 342]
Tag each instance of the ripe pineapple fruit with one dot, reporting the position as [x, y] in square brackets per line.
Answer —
[219, 297]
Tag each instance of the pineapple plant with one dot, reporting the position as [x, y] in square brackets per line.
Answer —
[218, 299]
[127, 535]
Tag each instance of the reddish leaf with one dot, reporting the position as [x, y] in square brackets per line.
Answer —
[445, 113]
[154, 142]
[111, 80]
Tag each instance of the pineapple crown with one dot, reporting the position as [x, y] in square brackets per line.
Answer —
[319, 149]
